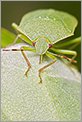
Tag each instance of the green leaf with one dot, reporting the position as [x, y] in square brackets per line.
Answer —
[24, 99]
[7, 37]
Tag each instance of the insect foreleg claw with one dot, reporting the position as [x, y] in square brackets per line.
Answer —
[26, 73]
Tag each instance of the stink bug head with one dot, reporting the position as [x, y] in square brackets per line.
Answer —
[41, 46]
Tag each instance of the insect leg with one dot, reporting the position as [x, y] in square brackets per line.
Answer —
[18, 36]
[26, 59]
[25, 48]
[73, 46]
[73, 42]
[61, 56]
[41, 58]
[14, 41]
[22, 35]
[22, 49]
[43, 68]
[53, 56]
[25, 39]
[67, 52]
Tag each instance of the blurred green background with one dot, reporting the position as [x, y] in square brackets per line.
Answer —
[12, 11]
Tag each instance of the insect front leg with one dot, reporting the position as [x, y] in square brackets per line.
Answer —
[43, 68]
[22, 49]
[41, 58]
[25, 48]
[46, 66]
[27, 60]
[22, 36]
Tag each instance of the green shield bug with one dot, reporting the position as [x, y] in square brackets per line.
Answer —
[42, 29]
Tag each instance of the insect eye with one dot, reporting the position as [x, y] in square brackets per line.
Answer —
[50, 45]
[33, 43]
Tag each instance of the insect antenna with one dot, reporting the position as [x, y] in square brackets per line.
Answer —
[12, 49]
